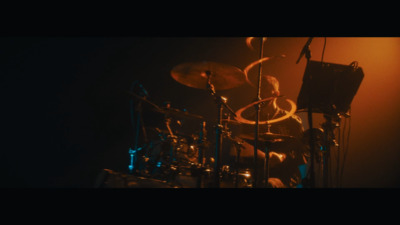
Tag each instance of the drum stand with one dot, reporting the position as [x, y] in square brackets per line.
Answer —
[310, 181]
[133, 153]
[221, 102]
[202, 143]
[238, 147]
[328, 141]
[256, 130]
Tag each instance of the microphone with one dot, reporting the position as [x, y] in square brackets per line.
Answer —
[305, 48]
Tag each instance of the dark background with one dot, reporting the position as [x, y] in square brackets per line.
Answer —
[66, 116]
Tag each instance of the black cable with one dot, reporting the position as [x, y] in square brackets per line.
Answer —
[323, 51]
[338, 153]
[340, 166]
[347, 146]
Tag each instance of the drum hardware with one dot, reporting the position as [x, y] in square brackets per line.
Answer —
[211, 76]
[195, 75]
[257, 107]
[221, 103]
[238, 143]
[172, 112]
[202, 144]
[138, 123]
[265, 141]
[331, 122]
[167, 111]
[238, 147]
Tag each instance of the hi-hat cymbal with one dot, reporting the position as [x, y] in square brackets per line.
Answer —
[196, 75]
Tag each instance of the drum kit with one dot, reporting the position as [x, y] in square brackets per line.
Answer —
[192, 160]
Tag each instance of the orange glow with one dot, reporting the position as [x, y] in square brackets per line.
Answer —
[375, 108]
[249, 67]
[250, 39]
[374, 146]
[245, 121]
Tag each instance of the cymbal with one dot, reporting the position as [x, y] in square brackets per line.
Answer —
[230, 121]
[179, 113]
[241, 119]
[144, 99]
[176, 133]
[265, 140]
[195, 75]
[266, 137]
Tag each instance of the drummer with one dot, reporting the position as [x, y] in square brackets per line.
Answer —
[286, 155]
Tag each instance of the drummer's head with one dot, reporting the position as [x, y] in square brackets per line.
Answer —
[269, 86]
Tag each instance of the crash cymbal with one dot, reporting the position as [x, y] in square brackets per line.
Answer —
[195, 75]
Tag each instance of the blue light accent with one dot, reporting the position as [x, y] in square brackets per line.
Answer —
[158, 164]
[131, 151]
[303, 170]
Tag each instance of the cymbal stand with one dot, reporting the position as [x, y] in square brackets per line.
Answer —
[221, 102]
[257, 107]
[201, 142]
[312, 137]
[173, 167]
[172, 139]
[310, 180]
[133, 153]
[238, 146]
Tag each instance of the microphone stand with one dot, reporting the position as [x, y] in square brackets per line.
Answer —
[311, 182]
